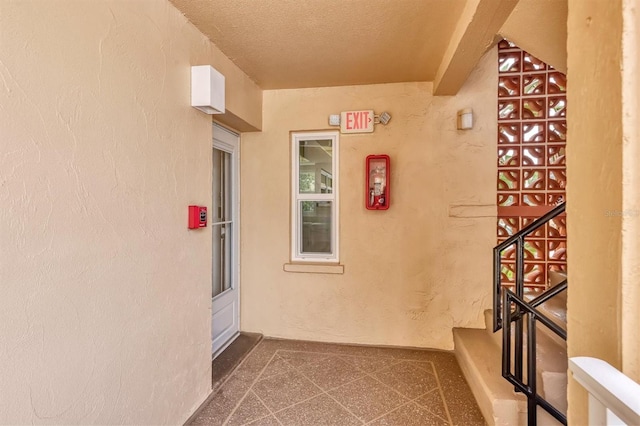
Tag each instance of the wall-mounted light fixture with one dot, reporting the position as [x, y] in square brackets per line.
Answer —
[383, 118]
[207, 89]
[465, 119]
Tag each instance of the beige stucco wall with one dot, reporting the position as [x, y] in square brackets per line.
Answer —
[540, 28]
[105, 304]
[410, 273]
[603, 188]
[631, 190]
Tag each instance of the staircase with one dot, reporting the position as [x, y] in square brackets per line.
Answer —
[486, 365]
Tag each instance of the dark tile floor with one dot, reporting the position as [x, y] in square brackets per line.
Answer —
[285, 382]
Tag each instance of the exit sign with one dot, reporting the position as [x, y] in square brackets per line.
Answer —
[356, 121]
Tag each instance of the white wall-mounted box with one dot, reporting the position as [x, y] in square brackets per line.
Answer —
[207, 89]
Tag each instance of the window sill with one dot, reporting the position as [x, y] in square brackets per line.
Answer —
[314, 268]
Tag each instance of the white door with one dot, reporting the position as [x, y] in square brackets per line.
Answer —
[225, 317]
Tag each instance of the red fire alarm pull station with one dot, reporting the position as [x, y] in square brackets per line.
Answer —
[197, 217]
[378, 176]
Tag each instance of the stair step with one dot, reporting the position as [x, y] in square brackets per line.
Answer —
[480, 360]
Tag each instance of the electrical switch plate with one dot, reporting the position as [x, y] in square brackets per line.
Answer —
[334, 120]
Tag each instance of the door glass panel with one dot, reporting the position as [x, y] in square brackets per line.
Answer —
[221, 186]
[316, 167]
[222, 237]
[222, 232]
[316, 226]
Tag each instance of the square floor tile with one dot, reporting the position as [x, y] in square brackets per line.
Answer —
[275, 367]
[330, 372]
[281, 391]
[409, 415]
[321, 410]
[367, 398]
[408, 379]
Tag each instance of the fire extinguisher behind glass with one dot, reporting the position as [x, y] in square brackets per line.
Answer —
[377, 192]
[377, 169]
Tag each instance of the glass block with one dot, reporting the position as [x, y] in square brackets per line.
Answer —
[508, 180]
[510, 61]
[557, 227]
[553, 199]
[535, 249]
[507, 200]
[533, 155]
[557, 266]
[535, 273]
[556, 179]
[533, 108]
[531, 63]
[506, 44]
[507, 226]
[557, 107]
[508, 272]
[556, 155]
[533, 84]
[508, 156]
[509, 85]
[557, 83]
[534, 199]
[557, 250]
[533, 132]
[508, 133]
[533, 179]
[557, 131]
[538, 233]
[509, 109]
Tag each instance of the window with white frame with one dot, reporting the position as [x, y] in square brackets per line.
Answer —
[314, 228]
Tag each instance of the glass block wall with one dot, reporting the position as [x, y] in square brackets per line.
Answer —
[532, 136]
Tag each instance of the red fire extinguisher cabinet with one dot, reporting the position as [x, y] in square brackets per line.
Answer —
[377, 179]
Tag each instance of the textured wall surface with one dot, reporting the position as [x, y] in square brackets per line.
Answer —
[594, 190]
[105, 295]
[631, 190]
[411, 273]
[540, 28]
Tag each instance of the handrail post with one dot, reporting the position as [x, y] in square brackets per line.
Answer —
[532, 406]
[497, 287]
[519, 337]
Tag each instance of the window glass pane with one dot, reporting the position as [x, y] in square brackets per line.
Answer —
[315, 174]
[316, 226]
[221, 186]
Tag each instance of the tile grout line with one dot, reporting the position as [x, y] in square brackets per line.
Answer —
[235, 408]
[425, 407]
[444, 401]
[388, 412]
[265, 405]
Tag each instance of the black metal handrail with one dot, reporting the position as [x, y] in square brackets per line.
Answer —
[530, 388]
[518, 240]
[511, 308]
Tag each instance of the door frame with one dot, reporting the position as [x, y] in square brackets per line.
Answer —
[229, 141]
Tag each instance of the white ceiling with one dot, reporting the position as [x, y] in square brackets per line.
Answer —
[317, 43]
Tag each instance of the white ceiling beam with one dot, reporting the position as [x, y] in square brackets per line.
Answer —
[474, 34]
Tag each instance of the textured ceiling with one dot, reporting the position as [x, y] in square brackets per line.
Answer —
[315, 43]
